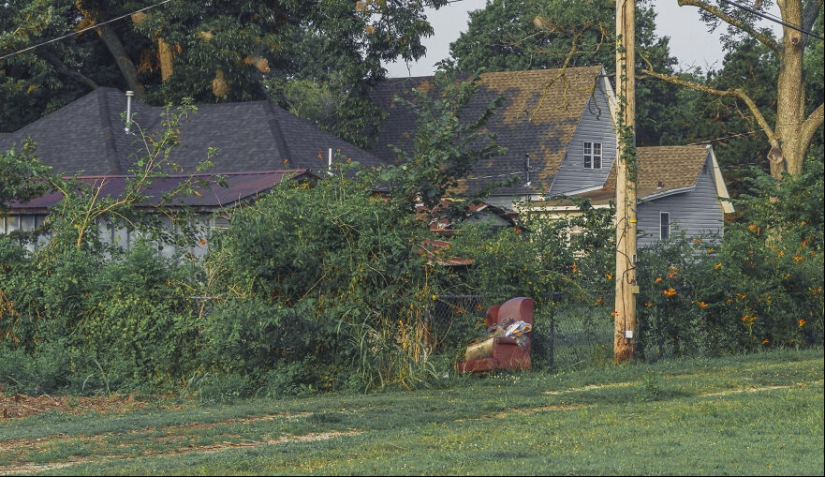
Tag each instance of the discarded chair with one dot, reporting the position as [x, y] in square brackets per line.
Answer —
[499, 351]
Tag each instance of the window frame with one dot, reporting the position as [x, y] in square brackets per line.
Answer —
[591, 158]
[664, 233]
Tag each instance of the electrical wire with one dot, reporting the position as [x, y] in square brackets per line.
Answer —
[771, 18]
[82, 31]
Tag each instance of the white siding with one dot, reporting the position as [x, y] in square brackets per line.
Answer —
[695, 212]
[595, 126]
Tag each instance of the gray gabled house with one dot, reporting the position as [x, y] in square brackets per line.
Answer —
[559, 129]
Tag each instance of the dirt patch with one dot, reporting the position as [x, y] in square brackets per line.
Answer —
[590, 388]
[755, 389]
[20, 406]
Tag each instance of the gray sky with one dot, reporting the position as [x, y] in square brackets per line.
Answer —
[690, 41]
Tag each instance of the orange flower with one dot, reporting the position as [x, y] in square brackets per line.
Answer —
[648, 304]
[614, 313]
[752, 227]
[749, 320]
[658, 279]
[609, 276]
[817, 291]
[710, 250]
[703, 304]
[766, 341]
[797, 258]
[802, 323]
[669, 292]
[718, 265]
[741, 296]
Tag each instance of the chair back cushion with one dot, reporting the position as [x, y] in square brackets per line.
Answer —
[519, 309]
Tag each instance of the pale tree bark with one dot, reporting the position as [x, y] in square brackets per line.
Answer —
[115, 47]
[791, 134]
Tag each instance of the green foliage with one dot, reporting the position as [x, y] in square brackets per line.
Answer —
[762, 286]
[328, 278]
[19, 180]
[446, 145]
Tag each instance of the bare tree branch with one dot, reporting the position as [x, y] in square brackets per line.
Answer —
[65, 70]
[766, 40]
[809, 14]
[730, 93]
[812, 123]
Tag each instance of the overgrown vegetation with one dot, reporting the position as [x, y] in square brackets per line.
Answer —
[329, 287]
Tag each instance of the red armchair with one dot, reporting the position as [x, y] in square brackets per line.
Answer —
[506, 354]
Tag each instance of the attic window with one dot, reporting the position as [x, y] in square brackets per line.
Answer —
[592, 155]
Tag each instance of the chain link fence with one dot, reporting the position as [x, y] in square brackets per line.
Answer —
[566, 335]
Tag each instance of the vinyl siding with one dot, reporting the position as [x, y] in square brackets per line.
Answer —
[596, 125]
[696, 212]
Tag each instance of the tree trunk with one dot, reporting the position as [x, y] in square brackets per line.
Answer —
[127, 68]
[788, 154]
[165, 57]
[115, 47]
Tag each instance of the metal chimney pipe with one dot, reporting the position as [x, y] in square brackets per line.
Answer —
[129, 95]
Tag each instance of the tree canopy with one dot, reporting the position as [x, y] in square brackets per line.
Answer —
[210, 51]
[789, 108]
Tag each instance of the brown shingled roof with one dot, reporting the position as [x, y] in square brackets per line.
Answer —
[540, 113]
[665, 168]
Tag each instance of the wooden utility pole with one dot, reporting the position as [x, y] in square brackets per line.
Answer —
[626, 285]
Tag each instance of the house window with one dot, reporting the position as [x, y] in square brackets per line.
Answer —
[664, 225]
[592, 155]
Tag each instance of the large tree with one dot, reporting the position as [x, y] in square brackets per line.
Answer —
[211, 51]
[793, 113]
[517, 35]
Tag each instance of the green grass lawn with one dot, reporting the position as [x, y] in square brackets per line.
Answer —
[746, 415]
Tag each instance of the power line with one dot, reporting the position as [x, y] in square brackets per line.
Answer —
[771, 18]
[83, 30]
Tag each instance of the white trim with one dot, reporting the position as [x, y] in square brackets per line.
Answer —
[592, 155]
[667, 193]
[721, 188]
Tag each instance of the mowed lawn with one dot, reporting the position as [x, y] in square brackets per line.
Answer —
[757, 414]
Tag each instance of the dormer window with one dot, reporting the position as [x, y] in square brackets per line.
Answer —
[592, 155]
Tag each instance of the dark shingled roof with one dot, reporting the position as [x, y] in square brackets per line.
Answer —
[241, 186]
[88, 135]
[540, 113]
